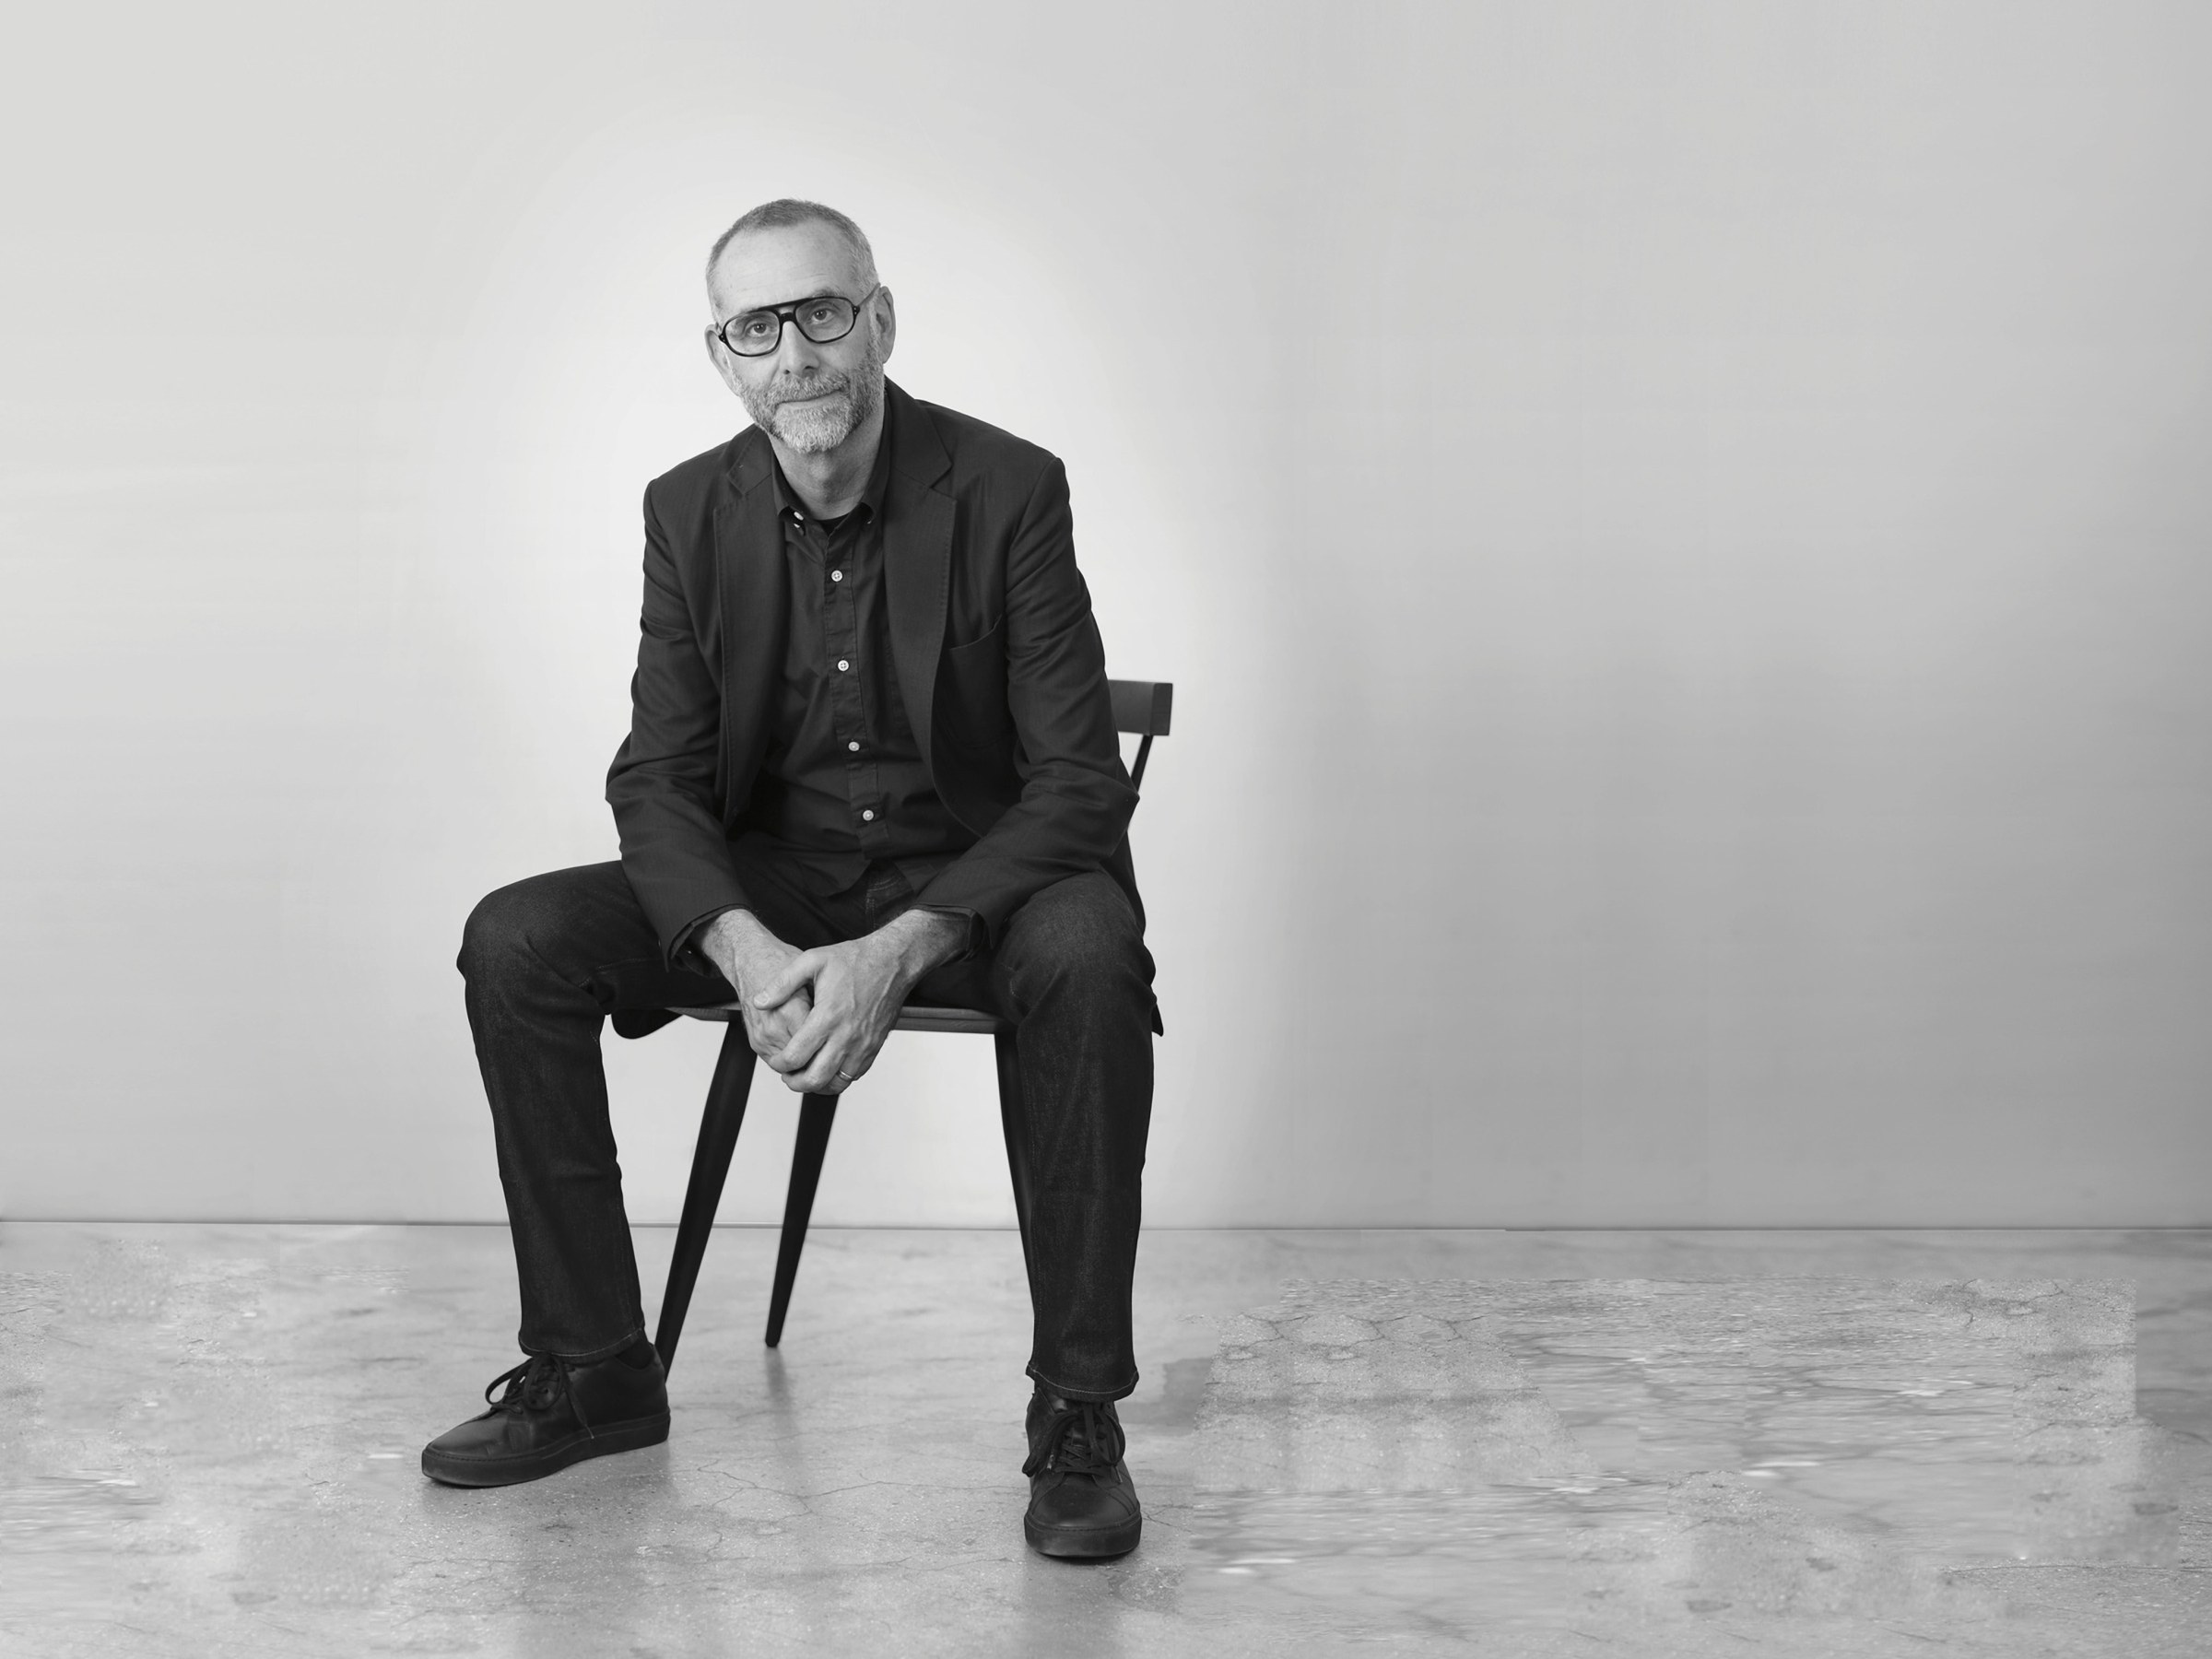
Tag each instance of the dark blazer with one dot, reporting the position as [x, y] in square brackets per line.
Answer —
[998, 659]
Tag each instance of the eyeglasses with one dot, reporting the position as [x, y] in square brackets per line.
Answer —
[822, 319]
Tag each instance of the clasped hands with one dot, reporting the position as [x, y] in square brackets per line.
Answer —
[818, 1016]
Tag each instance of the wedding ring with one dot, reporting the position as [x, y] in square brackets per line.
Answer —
[847, 1078]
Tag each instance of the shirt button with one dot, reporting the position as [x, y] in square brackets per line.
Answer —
[842, 665]
[837, 575]
[853, 747]
[866, 816]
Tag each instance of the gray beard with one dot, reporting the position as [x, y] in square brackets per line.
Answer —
[816, 427]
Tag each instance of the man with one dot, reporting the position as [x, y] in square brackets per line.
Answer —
[872, 754]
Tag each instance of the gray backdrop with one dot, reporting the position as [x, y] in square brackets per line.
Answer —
[1679, 532]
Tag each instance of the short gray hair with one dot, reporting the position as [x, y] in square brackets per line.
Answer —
[786, 211]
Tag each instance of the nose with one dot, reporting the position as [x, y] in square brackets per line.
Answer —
[796, 354]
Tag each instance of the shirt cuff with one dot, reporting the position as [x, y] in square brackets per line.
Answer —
[978, 933]
[680, 952]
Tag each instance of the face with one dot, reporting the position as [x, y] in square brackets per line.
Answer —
[810, 398]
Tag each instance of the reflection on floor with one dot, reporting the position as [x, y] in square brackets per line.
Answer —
[1514, 1443]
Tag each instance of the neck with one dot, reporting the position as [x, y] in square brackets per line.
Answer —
[833, 481]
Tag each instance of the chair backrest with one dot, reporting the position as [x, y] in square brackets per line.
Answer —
[1142, 707]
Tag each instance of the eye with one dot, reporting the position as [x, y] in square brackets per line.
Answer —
[822, 312]
[759, 326]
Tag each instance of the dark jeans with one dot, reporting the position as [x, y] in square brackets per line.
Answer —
[546, 960]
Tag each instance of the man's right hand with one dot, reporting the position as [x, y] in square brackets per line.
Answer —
[752, 958]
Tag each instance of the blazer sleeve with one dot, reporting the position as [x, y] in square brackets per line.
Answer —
[662, 784]
[1075, 799]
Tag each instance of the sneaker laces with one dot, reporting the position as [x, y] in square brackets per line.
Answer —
[1083, 1437]
[534, 1385]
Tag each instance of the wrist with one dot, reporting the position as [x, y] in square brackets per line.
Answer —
[926, 939]
[726, 929]
[737, 943]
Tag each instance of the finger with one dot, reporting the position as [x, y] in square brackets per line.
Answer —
[768, 1040]
[843, 1050]
[800, 970]
[768, 1029]
[807, 1043]
[840, 1063]
[784, 1018]
[859, 1054]
[829, 1073]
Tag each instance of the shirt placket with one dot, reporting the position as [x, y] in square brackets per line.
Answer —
[848, 694]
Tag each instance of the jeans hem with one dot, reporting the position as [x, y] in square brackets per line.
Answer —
[589, 1355]
[1095, 1395]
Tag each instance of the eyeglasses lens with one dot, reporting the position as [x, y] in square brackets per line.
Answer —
[821, 320]
[826, 319]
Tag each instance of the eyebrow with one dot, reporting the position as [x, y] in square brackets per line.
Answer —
[746, 311]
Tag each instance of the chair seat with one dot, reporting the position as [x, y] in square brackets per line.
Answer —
[914, 1016]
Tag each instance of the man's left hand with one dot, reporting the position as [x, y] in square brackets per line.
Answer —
[858, 988]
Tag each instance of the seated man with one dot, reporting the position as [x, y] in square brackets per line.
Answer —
[871, 753]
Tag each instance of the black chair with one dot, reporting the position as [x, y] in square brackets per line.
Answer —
[1140, 707]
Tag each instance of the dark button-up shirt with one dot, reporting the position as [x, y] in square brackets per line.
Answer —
[841, 783]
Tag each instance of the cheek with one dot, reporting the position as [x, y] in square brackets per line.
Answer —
[860, 363]
[749, 382]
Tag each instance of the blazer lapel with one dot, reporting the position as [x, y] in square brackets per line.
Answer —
[756, 612]
[917, 557]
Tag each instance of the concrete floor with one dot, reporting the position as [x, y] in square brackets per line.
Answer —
[1765, 1442]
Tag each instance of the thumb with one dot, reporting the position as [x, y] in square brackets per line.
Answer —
[799, 971]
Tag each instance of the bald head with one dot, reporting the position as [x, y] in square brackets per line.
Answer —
[788, 213]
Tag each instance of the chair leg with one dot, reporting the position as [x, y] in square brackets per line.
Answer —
[1015, 1122]
[818, 1115]
[718, 1127]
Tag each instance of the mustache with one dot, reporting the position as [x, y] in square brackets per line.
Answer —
[812, 385]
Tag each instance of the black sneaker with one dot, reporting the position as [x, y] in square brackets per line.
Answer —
[1082, 1503]
[552, 1415]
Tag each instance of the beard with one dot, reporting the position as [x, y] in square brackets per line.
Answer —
[838, 404]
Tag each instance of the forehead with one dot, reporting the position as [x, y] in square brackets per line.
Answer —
[788, 261]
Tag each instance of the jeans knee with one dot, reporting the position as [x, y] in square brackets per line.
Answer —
[1086, 941]
[1108, 958]
[497, 932]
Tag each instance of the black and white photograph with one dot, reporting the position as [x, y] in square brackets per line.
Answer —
[1169, 832]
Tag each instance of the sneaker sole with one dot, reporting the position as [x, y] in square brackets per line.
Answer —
[1092, 1544]
[448, 1470]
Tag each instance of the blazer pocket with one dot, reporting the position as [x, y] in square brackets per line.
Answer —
[971, 704]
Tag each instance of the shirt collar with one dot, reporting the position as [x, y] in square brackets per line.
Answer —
[871, 497]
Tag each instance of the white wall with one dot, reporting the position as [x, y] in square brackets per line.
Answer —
[1679, 531]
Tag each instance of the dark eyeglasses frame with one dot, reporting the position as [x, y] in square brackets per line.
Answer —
[788, 315]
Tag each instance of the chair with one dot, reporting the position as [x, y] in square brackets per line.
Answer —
[1140, 707]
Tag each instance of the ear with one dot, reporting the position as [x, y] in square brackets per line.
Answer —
[724, 362]
[887, 322]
